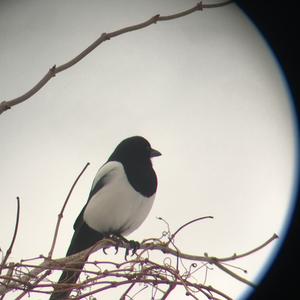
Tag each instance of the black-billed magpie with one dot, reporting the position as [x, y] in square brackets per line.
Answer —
[120, 199]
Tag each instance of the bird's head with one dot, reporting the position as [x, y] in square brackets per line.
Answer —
[134, 149]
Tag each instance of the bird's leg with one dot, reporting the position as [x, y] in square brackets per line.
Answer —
[131, 244]
[117, 245]
[104, 249]
[118, 239]
[134, 245]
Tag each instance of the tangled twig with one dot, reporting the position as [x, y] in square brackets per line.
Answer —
[101, 276]
[172, 269]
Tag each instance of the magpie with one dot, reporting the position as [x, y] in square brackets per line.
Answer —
[120, 199]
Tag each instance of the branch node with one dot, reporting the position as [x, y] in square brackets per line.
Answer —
[156, 18]
[60, 215]
[105, 36]
[4, 106]
[199, 6]
[52, 71]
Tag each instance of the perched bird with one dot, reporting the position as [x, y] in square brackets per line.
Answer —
[120, 199]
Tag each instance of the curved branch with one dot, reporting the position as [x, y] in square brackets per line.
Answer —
[7, 104]
[8, 252]
[188, 223]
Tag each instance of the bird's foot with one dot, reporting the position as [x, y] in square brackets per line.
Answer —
[129, 245]
[117, 247]
[134, 246]
[114, 237]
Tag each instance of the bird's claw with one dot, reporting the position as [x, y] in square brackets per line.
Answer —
[132, 245]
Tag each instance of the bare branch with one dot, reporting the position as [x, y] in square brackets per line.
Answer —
[168, 291]
[138, 270]
[234, 275]
[8, 252]
[33, 285]
[60, 215]
[123, 297]
[237, 256]
[188, 223]
[7, 104]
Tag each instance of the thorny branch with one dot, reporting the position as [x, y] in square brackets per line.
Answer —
[7, 104]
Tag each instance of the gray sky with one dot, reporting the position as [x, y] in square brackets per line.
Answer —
[204, 90]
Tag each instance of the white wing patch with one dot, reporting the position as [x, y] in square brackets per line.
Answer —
[116, 207]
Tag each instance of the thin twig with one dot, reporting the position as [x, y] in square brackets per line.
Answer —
[123, 297]
[217, 4]
[7, 104]
[60, 215]
[33, 285]
[165, 249]
[237, 256]
[8, 252]
[188, 223]
[234, 275]
[168, 291]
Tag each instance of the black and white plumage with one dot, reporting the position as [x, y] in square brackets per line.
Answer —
[120, 199]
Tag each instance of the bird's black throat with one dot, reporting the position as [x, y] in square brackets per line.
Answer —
[142, 178]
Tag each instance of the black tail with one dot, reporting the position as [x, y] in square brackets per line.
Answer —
[83, 238]
[66, 279]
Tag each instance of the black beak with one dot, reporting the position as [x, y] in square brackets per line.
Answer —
[154, 153]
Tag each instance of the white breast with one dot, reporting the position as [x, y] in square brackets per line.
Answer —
[116, 207]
